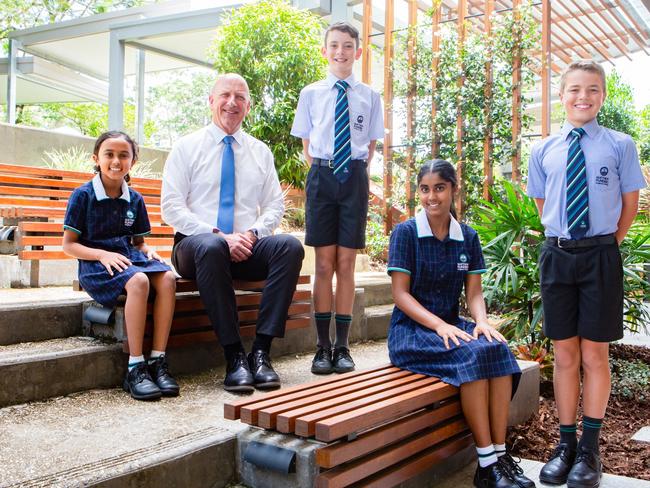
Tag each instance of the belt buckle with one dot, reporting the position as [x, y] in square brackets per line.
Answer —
[559, 241]
[330, 164]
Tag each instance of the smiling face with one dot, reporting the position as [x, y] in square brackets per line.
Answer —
[229, 102]
[341, 52]
[436, 195]
[115, 159]
[582, 96]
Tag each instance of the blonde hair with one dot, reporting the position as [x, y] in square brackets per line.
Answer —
[584, 65]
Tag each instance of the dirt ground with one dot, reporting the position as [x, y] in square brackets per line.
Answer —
[620, 455]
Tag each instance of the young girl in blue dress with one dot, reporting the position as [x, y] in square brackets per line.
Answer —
[104, 228]
[431, 257]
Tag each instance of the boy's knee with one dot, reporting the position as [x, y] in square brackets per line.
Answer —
[324, 267]
[567, 358]
[595, 360]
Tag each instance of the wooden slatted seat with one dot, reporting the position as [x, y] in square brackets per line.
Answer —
[380, 427]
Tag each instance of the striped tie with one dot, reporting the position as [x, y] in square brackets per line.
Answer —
[342, 148]
[577, 196]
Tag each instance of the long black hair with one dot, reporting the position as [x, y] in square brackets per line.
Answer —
[116, 134]
[445, 170]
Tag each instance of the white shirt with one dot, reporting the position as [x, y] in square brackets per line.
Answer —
[192, 180]
[314, 118]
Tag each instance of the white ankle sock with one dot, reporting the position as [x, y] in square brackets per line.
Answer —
[156, 354]
[499, 449]
[134, 361]
[486, 456]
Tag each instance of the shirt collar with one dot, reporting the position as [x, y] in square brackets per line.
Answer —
[100, 192]
[219, 134]
[424, 229]
[332, 79]
[591, 129]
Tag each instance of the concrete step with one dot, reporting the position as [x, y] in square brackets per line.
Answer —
[104, 438]
[378, 320]
[376, 287]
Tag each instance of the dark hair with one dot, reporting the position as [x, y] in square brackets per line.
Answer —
[445, 170]
[344, 27]
[115, 134]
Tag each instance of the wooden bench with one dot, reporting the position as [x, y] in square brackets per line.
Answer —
[380, 427]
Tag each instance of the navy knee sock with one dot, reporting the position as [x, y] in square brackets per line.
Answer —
[568, 435]
[343, 323]
[323, 320]
[590, 433]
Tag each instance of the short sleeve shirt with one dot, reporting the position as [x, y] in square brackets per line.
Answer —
[314, 119]
[107, 223]
[612, 166]
[437, 268]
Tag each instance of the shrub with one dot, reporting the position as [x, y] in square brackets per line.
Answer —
[631, 379]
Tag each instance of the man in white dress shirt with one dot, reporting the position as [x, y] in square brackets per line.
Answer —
[222, 195]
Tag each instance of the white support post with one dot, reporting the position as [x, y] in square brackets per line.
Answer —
[12, 74]
[116, 84]
[140, 106]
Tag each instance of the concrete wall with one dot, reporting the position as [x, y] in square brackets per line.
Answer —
[27, 145]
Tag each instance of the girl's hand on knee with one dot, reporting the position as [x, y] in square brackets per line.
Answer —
[114, 260]
[489, 332]
[151, 254]
[450, 332]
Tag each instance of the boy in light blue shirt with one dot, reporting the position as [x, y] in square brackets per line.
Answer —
[585, 181]
[339, 120]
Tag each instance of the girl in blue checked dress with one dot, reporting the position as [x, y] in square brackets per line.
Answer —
[104, 228]
[431, 258]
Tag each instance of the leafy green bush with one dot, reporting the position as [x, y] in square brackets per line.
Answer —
[376, 240]
[276, 48]
[631, 379]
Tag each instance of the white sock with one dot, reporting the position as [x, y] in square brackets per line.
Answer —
[486, 456]
[499, 449]
[134, 361]
[156, 354]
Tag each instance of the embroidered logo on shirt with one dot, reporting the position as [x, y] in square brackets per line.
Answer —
[358, 125]
[128, 221]
[603, 179]
[463, 265]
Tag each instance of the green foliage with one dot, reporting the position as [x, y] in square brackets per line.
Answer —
[644, 135]
[376, 239]
[631, 380]
[511, 233]
[276, 48]
[618, 111]
[510, 37]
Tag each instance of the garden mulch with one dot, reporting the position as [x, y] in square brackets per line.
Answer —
[619, 453]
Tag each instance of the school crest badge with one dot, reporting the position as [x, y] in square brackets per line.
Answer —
[129, 219]
[463, 264]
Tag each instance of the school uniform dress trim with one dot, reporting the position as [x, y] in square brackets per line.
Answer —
[438, 270]
[109, 224]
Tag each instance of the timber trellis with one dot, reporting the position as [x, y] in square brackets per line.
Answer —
[600, 29]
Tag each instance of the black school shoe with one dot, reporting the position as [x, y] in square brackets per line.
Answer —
[556, 470]
[322, 362]
[586, 470]
[496, 475]
[515, 471]
[343, 362]
[238, 374]
[264, 375]
[139, 384]
[159, 371]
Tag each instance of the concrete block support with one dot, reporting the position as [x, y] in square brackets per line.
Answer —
[526, 401]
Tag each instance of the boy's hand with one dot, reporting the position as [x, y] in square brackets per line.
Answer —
[489, 332]
[448, 331]
[240, 245]
[114, 260]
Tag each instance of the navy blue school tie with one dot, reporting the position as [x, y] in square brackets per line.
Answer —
[577, 195]
[342, 147]
[226, 217]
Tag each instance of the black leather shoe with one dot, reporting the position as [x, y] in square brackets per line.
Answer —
[322, 362]
[515, 471]
[238, 374]
[342, 360]
[159, 371]
[586, 470]
[263, 373]
[495, 475]
[556, 470]
[139, 384]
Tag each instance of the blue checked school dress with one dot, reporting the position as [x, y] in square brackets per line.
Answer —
[438, 270]
[109, 224]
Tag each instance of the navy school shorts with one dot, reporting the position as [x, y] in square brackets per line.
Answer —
[336, 213]
[582, 292]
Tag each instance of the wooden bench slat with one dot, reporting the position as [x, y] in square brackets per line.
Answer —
[250, 414]
[303, 420]
[232, 410]
[344, 476]
[413, 466]
[42, 255]
[26, 202]
[335, 425]
[57, 227]
[36, 192]
[268, 415]
[343, 451]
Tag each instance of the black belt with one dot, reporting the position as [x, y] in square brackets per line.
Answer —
[563, 243]
[329, 163]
